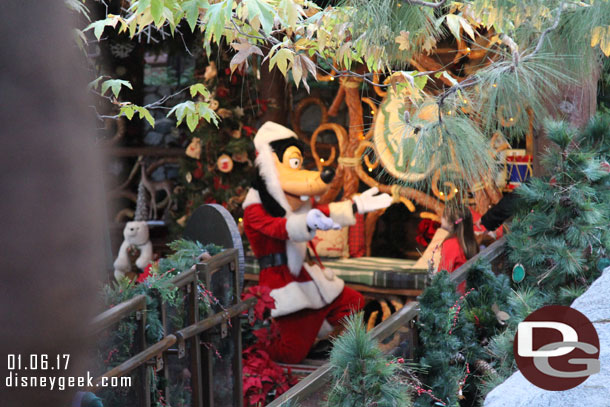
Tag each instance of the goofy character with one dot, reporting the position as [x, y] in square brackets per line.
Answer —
[280, 216]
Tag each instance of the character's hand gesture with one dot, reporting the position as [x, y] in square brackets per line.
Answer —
[369, 201]
[317, 220]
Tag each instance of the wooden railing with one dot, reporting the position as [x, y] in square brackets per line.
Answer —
[320, 377]
[176, 342]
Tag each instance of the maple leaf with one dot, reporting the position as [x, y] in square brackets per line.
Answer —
[403, 41]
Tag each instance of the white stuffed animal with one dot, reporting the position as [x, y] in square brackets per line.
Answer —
[136, 241]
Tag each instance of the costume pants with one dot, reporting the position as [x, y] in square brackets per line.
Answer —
[298, 331]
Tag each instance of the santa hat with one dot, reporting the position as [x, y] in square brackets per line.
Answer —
[267, 134]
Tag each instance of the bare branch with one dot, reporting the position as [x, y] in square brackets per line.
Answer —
[427, 3]
[544, 34]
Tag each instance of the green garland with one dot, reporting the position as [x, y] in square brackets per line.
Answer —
[116, 345]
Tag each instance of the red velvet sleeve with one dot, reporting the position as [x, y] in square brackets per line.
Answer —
[257, 218]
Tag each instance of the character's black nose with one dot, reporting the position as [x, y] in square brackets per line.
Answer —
[327, 174]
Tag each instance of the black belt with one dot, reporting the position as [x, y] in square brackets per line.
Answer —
[273, 260]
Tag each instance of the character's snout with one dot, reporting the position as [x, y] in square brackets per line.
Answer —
[327, 174]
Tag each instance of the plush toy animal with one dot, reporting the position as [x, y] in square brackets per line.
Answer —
[135, 252]
[280, 217]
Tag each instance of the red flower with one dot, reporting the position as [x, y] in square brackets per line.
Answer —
[265, 301]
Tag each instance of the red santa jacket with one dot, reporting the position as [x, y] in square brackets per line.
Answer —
[297, 285]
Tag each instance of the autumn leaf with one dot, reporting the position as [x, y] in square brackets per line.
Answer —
[245, 49]
[403, 40]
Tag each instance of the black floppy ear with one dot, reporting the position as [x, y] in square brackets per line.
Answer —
[268, 201]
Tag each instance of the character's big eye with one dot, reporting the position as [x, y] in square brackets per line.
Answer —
[295, 163]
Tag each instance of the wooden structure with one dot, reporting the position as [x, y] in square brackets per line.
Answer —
[187, 342]
[309, 391]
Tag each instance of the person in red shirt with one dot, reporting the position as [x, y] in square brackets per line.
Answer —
[460, 245]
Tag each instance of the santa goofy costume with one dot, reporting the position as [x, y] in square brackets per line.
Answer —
[280, 217]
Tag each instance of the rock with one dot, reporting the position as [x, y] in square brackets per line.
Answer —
[516, 391]
[150, 98]
[164, 125]
[153, 138]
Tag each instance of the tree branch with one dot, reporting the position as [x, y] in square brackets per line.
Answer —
[544, 34]
[426, 3]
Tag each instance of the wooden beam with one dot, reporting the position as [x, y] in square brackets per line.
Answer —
[315, 381]
[118, 312]
[488, 254]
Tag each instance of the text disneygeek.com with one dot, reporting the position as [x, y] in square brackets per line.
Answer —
[24, 372]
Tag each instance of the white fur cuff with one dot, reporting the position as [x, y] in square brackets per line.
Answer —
[297, 229]
[342, 213]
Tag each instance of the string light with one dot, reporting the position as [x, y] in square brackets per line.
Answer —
[332, 78]
[449, 113]
[441, 193]
[370, 169]
[466, 101]
[321, 160]
[511, 119]
[495, 85]
[455, 190]
[240, 220]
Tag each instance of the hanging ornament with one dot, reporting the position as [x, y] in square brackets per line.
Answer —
[189, 177]
[239, 112]
[518, 273]
[501, 316]
[224, 163]
[210, 72]
[194, 149]
[182, 221]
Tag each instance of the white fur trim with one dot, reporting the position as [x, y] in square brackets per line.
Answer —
[297, 229]
[295, 253]
[270, 132]
[252, 197]
[328, 283]
[325, 330]
[342, 213]
[265, 162]
[314, 294]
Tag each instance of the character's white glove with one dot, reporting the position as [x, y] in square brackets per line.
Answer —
[317, 220]
[368, 201]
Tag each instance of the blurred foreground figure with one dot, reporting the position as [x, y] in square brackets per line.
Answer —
[51, 213]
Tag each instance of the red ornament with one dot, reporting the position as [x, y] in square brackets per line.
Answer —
[249, 130]
[198, 172]
[553, 181]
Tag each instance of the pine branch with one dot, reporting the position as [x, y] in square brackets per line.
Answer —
[426, 3]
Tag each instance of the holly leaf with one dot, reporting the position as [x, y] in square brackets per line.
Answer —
[115, 85]
[403, 41]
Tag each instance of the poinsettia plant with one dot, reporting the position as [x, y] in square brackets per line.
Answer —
[263, 379]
